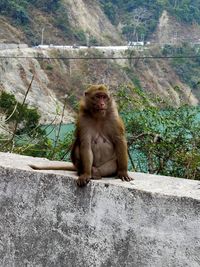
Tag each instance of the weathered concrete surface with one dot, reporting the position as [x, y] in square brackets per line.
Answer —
[46, 220]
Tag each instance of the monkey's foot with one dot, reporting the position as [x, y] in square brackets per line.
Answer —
[83, 180]
[123, 175]
[96, 175]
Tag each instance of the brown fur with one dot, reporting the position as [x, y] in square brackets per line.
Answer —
[100, 147]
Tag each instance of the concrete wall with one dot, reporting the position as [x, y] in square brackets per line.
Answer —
[46, 220]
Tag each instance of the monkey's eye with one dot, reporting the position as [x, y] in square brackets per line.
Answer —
[101, 96]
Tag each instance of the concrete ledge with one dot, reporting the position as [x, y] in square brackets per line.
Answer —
[46, 220]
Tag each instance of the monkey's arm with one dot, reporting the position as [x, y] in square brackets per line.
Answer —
[121, 153]
[122, 160]
[86, 156]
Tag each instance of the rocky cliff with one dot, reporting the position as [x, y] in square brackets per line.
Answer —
[60, 77]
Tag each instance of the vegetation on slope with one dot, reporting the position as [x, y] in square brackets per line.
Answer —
[139, 18]
[22, 15]
[186, 63]
[19, 11]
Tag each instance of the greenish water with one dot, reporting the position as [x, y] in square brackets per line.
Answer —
[139, 159]
[54, 131]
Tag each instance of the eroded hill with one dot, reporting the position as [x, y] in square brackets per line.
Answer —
[59, 79]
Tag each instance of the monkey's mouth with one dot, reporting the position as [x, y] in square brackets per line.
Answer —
[101, 109]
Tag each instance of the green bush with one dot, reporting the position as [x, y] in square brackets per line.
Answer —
[62, 21]
[15, 111]
[17, 11]
[49, 67]
[110, 10]
[161, 141]
[80, 36]
[7, 102]
[46, 5]
[133, 77]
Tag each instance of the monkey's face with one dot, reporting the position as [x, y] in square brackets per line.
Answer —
[98, 102]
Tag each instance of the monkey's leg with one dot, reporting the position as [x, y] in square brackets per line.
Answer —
[107, 169]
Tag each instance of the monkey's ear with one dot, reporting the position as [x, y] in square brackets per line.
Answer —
[86, 93]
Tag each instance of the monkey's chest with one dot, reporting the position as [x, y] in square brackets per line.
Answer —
[103, 150]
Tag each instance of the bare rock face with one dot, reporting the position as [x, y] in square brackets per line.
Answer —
[16, 72]
[46, 220]
[56, 78]
[9, 33]
[88, 16]
[171, 31]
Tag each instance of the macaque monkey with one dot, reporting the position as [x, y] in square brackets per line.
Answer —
[100, 147]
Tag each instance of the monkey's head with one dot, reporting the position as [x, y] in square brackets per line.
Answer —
[97, 99]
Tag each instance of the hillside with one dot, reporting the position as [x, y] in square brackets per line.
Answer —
[169, 30]
[166, 24]
[58, 78]
[98, 21]
[138, 20]
[62, 22]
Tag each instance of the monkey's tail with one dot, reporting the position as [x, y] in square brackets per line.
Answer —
[64, 166]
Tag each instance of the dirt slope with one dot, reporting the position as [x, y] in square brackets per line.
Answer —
[88, 16]
[171, 31]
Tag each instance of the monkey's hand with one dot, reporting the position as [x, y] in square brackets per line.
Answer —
[123, 175]
[83, 180]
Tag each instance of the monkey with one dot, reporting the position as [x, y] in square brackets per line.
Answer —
[100, 147]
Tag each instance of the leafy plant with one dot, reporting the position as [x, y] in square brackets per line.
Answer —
[25, 121]
[80, 36]
[27, 117]
[161, 141]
